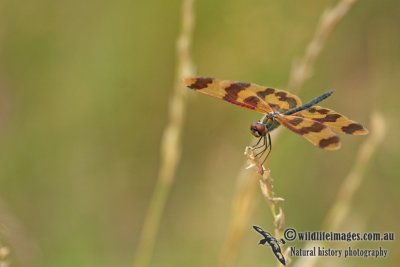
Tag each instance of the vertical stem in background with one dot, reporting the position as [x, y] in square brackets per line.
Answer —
[243, 205]
[341, 207]
[303, 68]
[14, 238]
[170, 143]
[301, 71]
[4, 256]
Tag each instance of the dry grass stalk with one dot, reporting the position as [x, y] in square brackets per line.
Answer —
[341, 207]
[15, 238]
[170, 144]
[4, 255]
[243, 205]
[266, 189]
[242, 208]
[340, 210]
[301, 71]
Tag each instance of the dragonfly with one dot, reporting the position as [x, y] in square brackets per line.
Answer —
[317, 124]
[272, 242]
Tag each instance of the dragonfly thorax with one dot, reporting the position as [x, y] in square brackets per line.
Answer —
[269, 117]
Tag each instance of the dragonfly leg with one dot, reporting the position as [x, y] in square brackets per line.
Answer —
[265, 147]
[270, 147]
[259, 140]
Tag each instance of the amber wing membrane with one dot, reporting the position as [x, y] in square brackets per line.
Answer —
[337, 122]
[236, 93]
[315, 132]
[248, 95]
[279, 100]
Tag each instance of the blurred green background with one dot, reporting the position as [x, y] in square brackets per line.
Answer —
[84, 91]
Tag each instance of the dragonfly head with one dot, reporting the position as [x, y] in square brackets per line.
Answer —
[258, 129]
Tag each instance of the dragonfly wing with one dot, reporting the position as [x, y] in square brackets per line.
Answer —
[336, 121]
[258, 229]
[278, 252]
[237, 93]
[279, 100]
[315, 132]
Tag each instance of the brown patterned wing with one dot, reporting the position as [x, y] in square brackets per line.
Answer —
[337, 122]
[315, 132]
[279, 100]
[237, 93]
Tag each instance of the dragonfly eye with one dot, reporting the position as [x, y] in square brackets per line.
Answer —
[257, 129]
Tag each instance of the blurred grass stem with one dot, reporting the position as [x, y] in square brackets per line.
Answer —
[301, 71]
[243, 205]
[340, 209]
[170, 143]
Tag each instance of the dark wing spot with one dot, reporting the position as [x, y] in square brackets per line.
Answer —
[292, 102]
[329, 141]
[232, 94]
[266, 92]
[328, 118]
[232, 91]
[316, 127]
[282, 96]
[200, 83]
[352, 127]
[252, 100]
[296, 121]
[323, 111]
